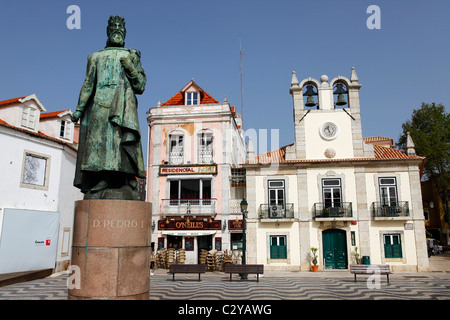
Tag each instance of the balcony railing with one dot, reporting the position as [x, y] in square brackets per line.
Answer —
[235, 206]
[194, 207]
[205, 156]
[274, 211]
[397, 209]
[341, 210]
[176, 157]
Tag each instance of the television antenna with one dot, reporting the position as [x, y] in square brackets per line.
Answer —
[242, 81]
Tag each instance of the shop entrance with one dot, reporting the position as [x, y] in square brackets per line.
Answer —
[204, 242]
[335, 249]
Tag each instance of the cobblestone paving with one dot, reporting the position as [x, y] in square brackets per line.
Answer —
[288, 286]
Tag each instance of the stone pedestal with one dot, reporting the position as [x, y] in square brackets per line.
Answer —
[111, 248]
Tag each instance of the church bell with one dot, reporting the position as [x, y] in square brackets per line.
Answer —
[341, 100]
[340, 91]
[310, 93]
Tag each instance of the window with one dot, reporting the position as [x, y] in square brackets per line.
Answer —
[205, 147]
[388, 191]
[190, 190]
[278, 249]
[276, 192]
[65, 131]
[392, 246]
[191, 98]
[176, 152]
[35, 171]
[28, 118]
[426, 215]
[331, 191]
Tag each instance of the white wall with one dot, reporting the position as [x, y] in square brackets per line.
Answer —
[60, 194]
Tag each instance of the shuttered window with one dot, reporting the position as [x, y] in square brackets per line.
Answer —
[392, 246]
[28, 117]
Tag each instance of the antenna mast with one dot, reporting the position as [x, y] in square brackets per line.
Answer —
[242, 84]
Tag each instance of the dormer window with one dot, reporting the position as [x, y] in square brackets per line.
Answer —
[191, 98]
[29, 118]
[65, 131]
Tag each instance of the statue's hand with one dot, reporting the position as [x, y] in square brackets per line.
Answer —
[76, 116]
[128, 65]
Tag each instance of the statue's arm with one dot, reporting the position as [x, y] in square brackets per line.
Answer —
[135, 71]
[86, 90]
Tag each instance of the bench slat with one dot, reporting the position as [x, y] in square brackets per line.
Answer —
[187, 268]
[244, 269]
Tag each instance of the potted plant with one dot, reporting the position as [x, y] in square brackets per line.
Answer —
[357, 258]
[314, 257]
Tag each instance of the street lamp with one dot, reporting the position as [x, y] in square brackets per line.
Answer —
[244, 206]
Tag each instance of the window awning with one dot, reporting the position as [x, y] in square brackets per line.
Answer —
[188, 233]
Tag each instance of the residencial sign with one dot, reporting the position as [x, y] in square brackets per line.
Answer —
[168, 170]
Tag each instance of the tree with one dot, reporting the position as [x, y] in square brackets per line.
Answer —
[429, 128]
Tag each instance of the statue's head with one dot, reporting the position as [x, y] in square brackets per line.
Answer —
[116, 31]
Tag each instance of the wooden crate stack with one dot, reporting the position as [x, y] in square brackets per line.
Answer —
[161, 258]
[170, 257]
[181, 256]
[203, 256]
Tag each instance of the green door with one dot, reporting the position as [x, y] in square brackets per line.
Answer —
[334, 249]
[278, 247]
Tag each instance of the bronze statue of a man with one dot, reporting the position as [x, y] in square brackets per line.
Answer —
[110, 151]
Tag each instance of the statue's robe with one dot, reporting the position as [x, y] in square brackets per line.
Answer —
[110, 139]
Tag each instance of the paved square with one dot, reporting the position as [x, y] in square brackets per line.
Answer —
[273, 286]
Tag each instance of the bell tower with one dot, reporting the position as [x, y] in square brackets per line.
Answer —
[327, 119]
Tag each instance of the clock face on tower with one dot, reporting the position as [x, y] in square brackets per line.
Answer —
[328, 130]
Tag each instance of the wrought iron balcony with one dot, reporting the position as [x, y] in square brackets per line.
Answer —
[176, 157]
[274, 211]
[193, 207]
[340, 210]
[205, 156]
[391, 210]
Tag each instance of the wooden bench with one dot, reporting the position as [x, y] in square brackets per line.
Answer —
[187, 268]
[245, 269]
[370, 269]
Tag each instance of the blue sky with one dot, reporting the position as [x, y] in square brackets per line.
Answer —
[401, 65]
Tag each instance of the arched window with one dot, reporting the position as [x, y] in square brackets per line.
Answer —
[205, 147]
[176, 147]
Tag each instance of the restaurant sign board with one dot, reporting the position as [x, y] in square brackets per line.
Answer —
[191, 225]
[235, 224]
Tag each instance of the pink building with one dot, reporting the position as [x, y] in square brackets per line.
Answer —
[194, 182]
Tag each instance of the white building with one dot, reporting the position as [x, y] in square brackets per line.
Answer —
[195, 150]
[36, 190]
[334, 190]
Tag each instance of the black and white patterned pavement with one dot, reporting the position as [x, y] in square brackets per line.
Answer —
[272, 286]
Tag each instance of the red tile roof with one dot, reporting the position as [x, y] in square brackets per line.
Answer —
[52, 114]
[381, 153]
[10, 101]
[178, 98]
